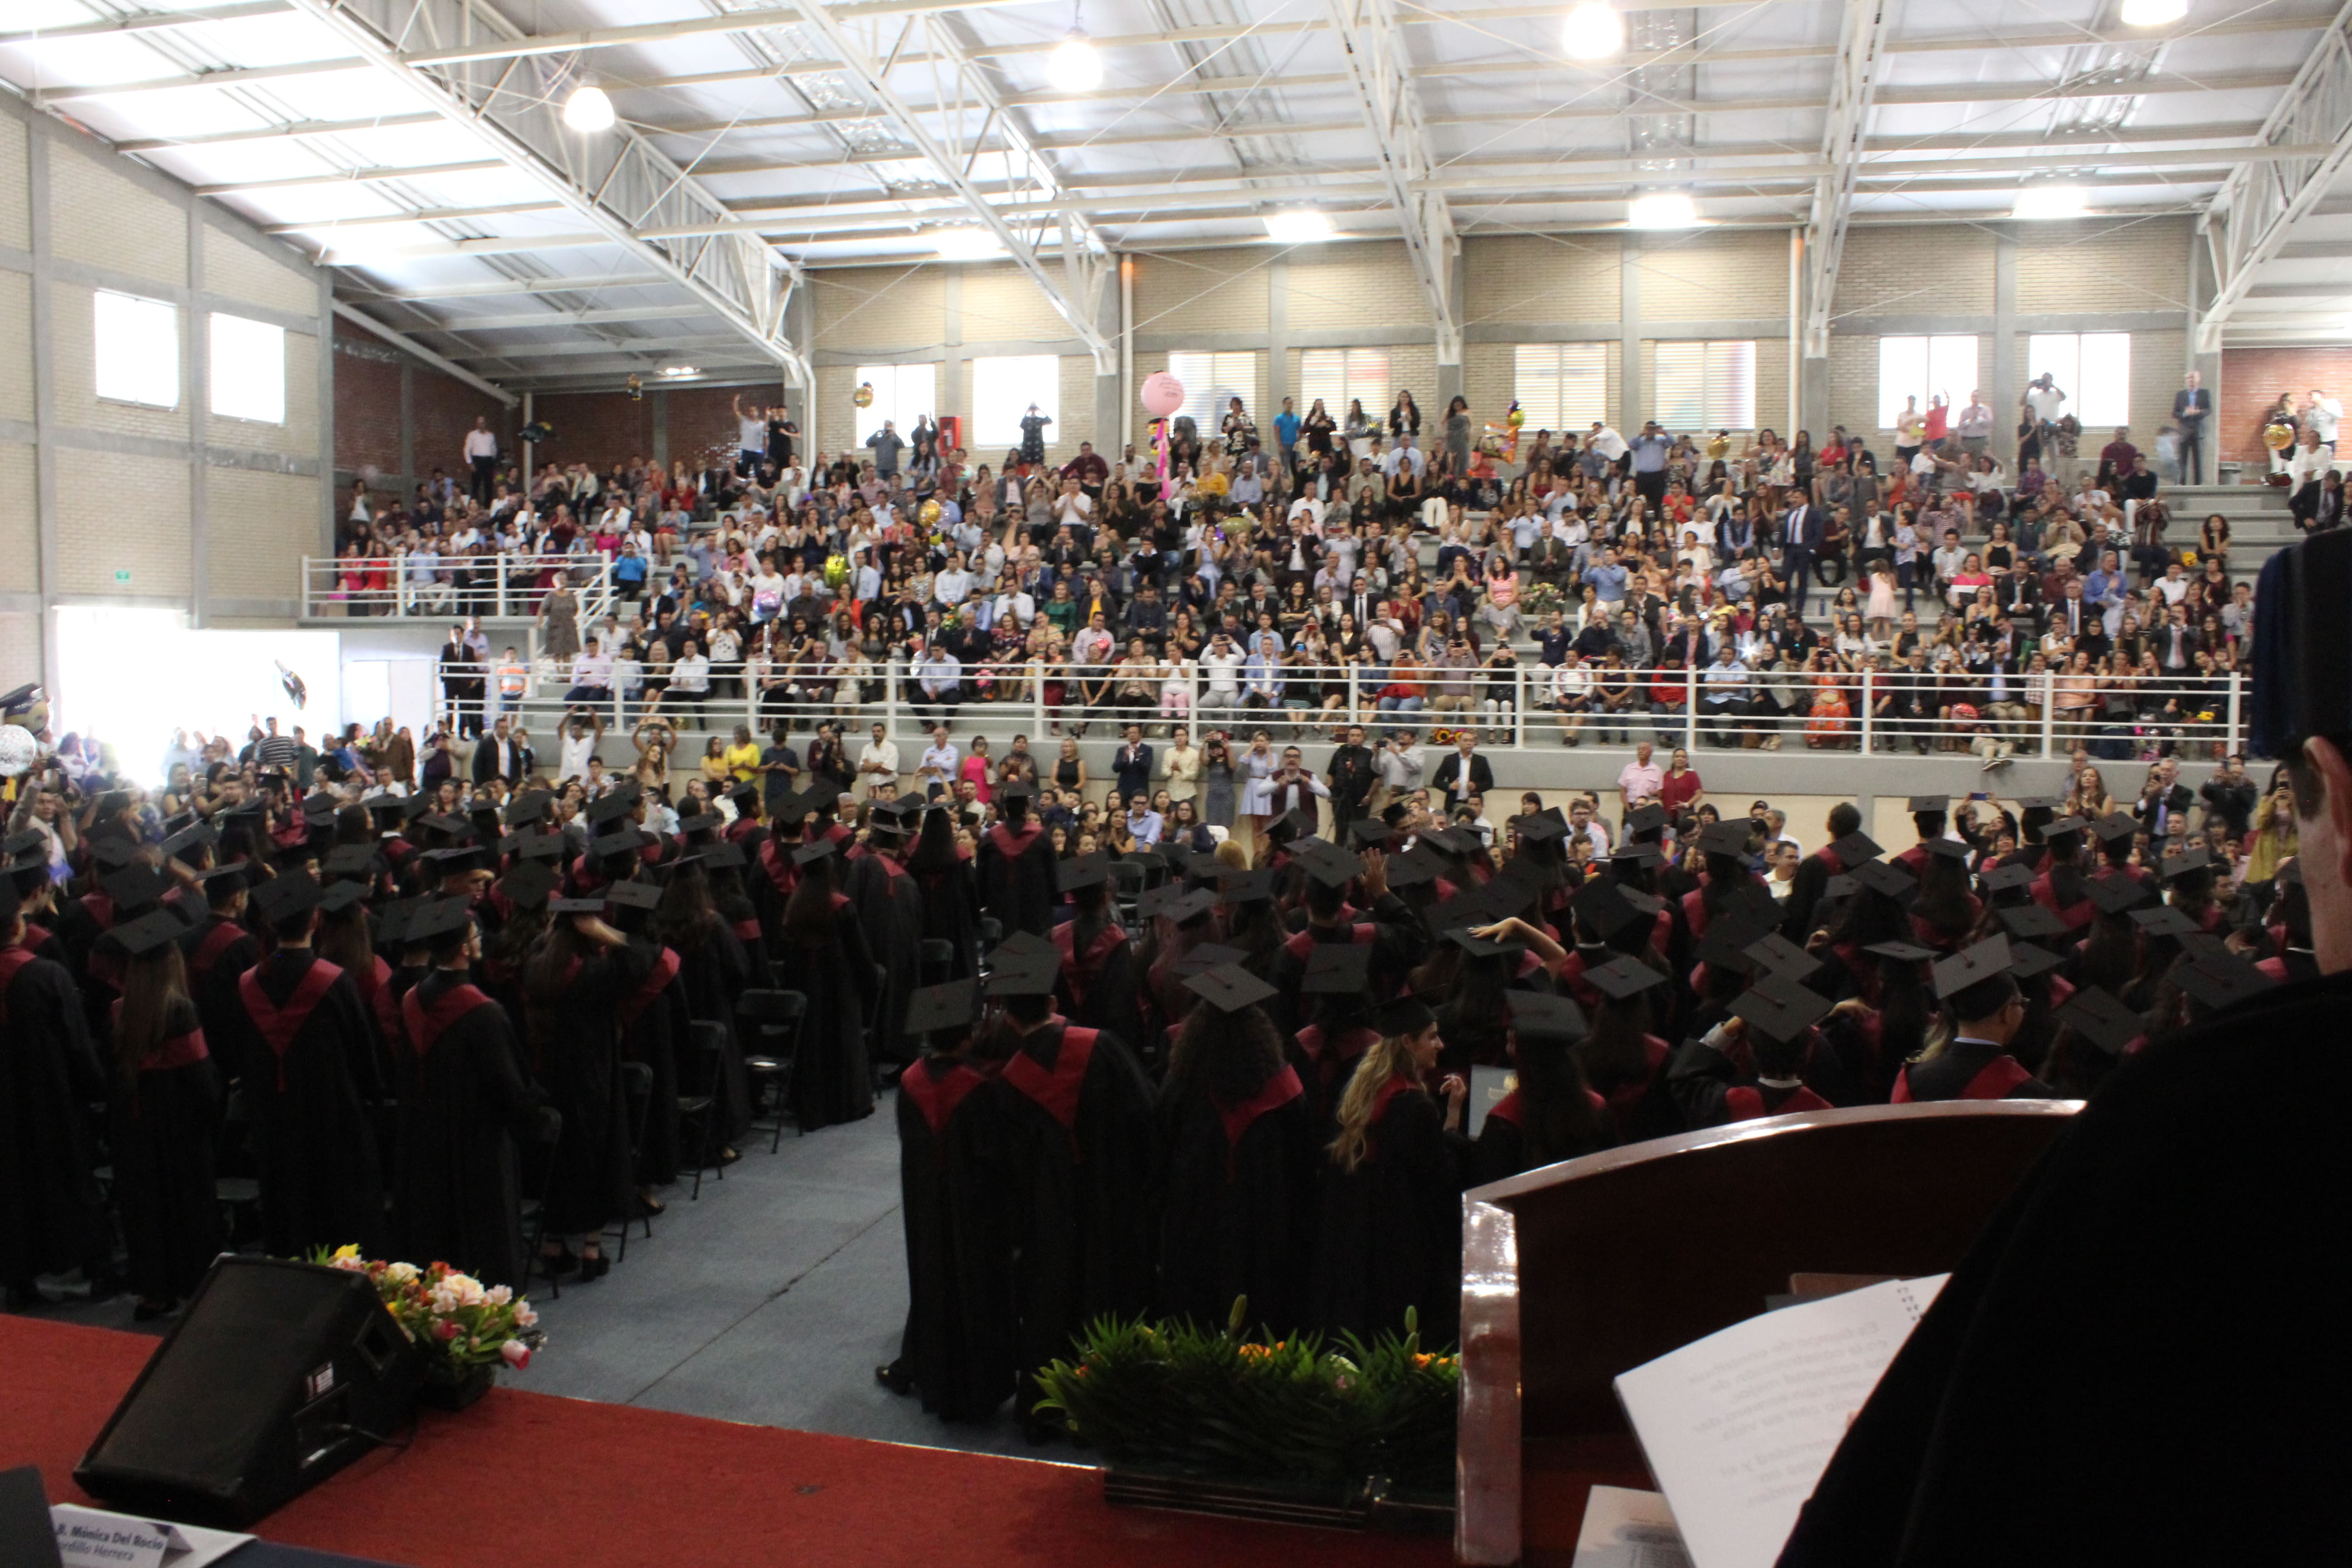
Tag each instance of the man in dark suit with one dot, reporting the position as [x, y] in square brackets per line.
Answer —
[1463, 774]
[2162, 798]
[1131, 768]
[1801, 530]
[1353, 771]
[2177, 642]
[495, 756]
[2191, 407]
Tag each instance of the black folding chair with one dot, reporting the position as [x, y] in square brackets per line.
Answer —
[539, 1163]
[708, 1042]
[637, 1083]
[769, 1024]
[936, 960]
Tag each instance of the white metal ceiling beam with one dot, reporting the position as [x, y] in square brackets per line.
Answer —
[1854, 81]
[1371, 47]
[293, 130]
[401, 340]
[368, 176]
[330, 227]
[2261, 203]
[657, 347]
[567, 318]
[1076, 294]
[508, 290]
[616, 181]
[145, 22]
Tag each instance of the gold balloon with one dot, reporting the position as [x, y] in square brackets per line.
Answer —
[1720, 448]
[929, 512]
[864, 396]
[1516, 417]
[2278, 437]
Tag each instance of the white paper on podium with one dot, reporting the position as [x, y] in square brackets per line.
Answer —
[93, 1538]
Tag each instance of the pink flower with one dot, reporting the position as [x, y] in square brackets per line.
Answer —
[517, 1354]
[444, 1329]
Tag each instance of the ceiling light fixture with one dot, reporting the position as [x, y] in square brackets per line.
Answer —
[1662, 209]
[2036, 202]
[968, 243]
[589, 110]
[1592, 31]
[2154, 13]
[1301, 225]
[681, 370]
[1074, 66]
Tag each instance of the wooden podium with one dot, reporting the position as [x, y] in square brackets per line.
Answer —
[1579, 1271]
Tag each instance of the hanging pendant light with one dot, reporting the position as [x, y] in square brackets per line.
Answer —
[589, 110]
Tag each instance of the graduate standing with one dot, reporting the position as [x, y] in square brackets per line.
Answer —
[50, 1217]
[1550, 1113]
[820, 953]
[164, 1110]
[572, 988]
[1015, 867]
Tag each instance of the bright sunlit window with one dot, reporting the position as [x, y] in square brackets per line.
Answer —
[1705, 384]
[1560, 386]
[1212, 380]
[903, 393]
[1338, 376]
[248, 369]
[1003, 388]
[1924, 368]
[2093, 369]
[138, 348]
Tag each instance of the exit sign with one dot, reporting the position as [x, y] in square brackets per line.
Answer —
[123, 576]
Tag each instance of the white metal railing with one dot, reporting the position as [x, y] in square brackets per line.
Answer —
[500, 586]
[1873, 711]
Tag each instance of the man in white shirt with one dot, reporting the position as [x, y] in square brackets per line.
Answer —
[1307, 506]
[482, 456]
[2323, 414]
[1641, 779]
[1073, 508]
[953, 586]
[941, 760]
[1221, 669]
[1401, 765]
[2044, 399]
[878, 762]
[1606, 441]
[1406, 457]
[1974, 425]
[938, 675]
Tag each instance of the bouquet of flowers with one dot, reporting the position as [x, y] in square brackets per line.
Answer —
[456, 1322]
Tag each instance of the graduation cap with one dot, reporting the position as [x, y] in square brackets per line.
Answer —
[544, 847]
[1207, 955]
[1922, 804]
[575, 906]
[1483, 947]
[1456, 841]
[1622, 979]
[2203, 947]
[148, 933]
[1414, 868]
[2120, 895]
[1604, 910]
[1296, 823]
[2095, 1014]
[455, 826]
[24, 840]
[1780, 1009]
[2030, 921]
[2026, 960]
[113, 854]
[1726, 944]
[1032, 975]
[1337, 969]
[613, 805]
[746, 796]
[1408, 1014]
[1229, 988]
[2163, 920]
[416, 805]
[525, 810]
[387, 809]
[221, 880]
[2303, 660]
[2221, 982]
[283, 899]
[1539, 827]
[321, 807]
[2012, 877]
[2065, 824]
[2114, 825]
[2186, 862]
[392, 922]
[1634, 855]
[189, 839]
[936, 1009]
[1327, 862]
[1649, 817]
[1901, 952]
[1189, 905]
[2038, 803]
[1856, 849]
[340, 896]
[718, 856]
[1016, 790]
[1082, 871]
[1776, 954]
[791, 811]
[1749, 903]
[1886, 877]
[1021, 943]
[1541, 1015]
[456, 862]
[1971, 965]
[350, 860]
[135, 886]
[611, 846]
[1371, 833]
[1247, 887]
[528, 885]
[633, 895]
[438, 919]
[1723, 838]
[1948, 848]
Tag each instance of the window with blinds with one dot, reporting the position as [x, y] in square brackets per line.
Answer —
[1339, 375]
[1209, 379]
[1924, 368]
[1562, 386]
[1705, 385]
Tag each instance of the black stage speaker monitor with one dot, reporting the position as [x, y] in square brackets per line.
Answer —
[278, 1375]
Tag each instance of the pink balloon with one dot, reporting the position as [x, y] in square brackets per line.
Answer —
[1163, 394]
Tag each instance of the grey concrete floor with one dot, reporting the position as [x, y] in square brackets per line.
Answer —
[770, 1301]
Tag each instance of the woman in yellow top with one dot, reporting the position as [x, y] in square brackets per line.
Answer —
[714, 760]
[743, 757]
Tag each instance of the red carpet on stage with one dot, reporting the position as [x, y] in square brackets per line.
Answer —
[526, 1480]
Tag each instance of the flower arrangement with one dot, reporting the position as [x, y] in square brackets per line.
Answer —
[456, 1322]
[1229, 1404]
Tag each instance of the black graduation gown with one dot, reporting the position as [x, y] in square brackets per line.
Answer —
[2134, 1364]
[161, 1127]
[215, 952]
[1236, 1199]
[1016, 879]
[1079, 1146]
[831, 1078]
[653, 1029]
[577, 1060]
[1969, 1070]
[713, 974]
[958, 1345]
[952, 915]
[1501, 1150]
[1389, 1234]
[1389, 929]
[313, 1133]
[459, 1196]
[889, 904]
[51, 1217]
[1100, 987]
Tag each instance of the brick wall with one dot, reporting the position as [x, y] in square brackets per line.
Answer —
[367, 404]
[1915, 271]
[1542, 278]
[117, 512]
[100, 216]
[2103, 265]
[16, 346]
[597, 429]
[20, 554]
[2252, 379]
[443, 409]
[1352, 286]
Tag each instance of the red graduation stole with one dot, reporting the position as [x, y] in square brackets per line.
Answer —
[665, 969]
[1746, 1104]
[1056, 1088]
[427, 1024]
[217, 943]
[1079, 969]
[1508, 1109]
[386, 1006]
[1993, 1081]
[1279, 1091]
[12, 960]
[776, 860]
[938, 1095]
[1346, 1047]
[37, 937]
[279, 1025]
[179, 1051]
[1009, 843]
[1301, 946]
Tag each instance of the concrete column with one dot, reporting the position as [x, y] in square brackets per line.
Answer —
[1630, 392]
[1109, 388]
[2008, 382]
[2200, 290]
[659, 397]
[955, 380]
[198, 327]
[800, 327]
[44, 402]
[1277, 345]
[407, 428]
[1449, 376]
[326, 393]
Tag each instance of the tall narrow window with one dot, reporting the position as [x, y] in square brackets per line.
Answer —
[138, 358]
[1924, 368]
[2093, 369]
[1003, 388]
[248, 369]
[902, 394]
